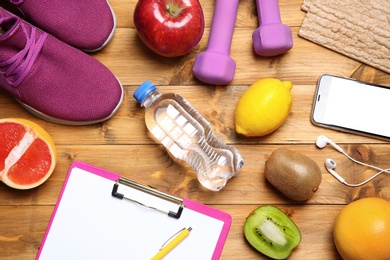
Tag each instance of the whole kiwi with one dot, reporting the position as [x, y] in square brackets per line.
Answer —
[293, 174]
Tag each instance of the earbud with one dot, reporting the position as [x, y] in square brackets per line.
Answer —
[330, 165]
[322, 141]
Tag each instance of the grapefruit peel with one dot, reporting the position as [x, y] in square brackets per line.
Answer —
[27, 159]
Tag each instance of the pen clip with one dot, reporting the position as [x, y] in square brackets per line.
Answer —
[173, 236]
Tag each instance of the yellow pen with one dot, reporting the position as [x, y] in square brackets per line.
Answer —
[181, 235]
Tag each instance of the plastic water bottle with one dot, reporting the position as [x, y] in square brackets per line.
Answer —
[188, 136]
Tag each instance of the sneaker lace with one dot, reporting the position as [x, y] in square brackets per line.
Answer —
[20, 64]
[16, 2]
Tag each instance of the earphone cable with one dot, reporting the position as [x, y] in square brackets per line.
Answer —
[366, 164]
[368, 180]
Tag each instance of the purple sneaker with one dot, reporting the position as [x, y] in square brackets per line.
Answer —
[86, 25]
[53, 80]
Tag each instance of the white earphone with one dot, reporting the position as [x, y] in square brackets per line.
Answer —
[322, 141]
[330, 165]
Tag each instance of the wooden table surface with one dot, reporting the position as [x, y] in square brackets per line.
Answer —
[122, 144]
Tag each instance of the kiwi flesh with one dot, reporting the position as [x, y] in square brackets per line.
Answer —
[271, 232]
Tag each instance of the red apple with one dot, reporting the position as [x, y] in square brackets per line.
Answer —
[169, 27]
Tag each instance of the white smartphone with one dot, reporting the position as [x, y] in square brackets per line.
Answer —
[352, 106]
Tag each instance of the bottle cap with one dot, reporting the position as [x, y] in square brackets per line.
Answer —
[143, 90]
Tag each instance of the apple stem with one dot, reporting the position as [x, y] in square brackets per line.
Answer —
[172, 10]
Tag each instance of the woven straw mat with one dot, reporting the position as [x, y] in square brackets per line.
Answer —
[359, 29]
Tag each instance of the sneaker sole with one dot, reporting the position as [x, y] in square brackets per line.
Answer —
[43, 116]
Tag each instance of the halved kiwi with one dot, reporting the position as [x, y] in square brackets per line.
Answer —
[271, 232]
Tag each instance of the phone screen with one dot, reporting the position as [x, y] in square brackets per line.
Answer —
[351, 105]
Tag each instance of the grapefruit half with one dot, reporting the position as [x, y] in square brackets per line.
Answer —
[27, 153]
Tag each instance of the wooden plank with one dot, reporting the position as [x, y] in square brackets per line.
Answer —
[302, 65]
[217, 105]
[22, 240]
[246, 17]
[151, 165]
[316, 243]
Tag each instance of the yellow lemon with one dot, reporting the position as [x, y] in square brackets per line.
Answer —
[264, 107]
[362, 230]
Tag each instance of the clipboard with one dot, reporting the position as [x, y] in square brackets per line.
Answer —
[101, 215]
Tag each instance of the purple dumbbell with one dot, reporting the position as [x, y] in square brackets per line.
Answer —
[215, 66]
[272, 37]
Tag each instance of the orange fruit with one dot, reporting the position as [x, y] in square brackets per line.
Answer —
[27, 153]
[362, 230]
